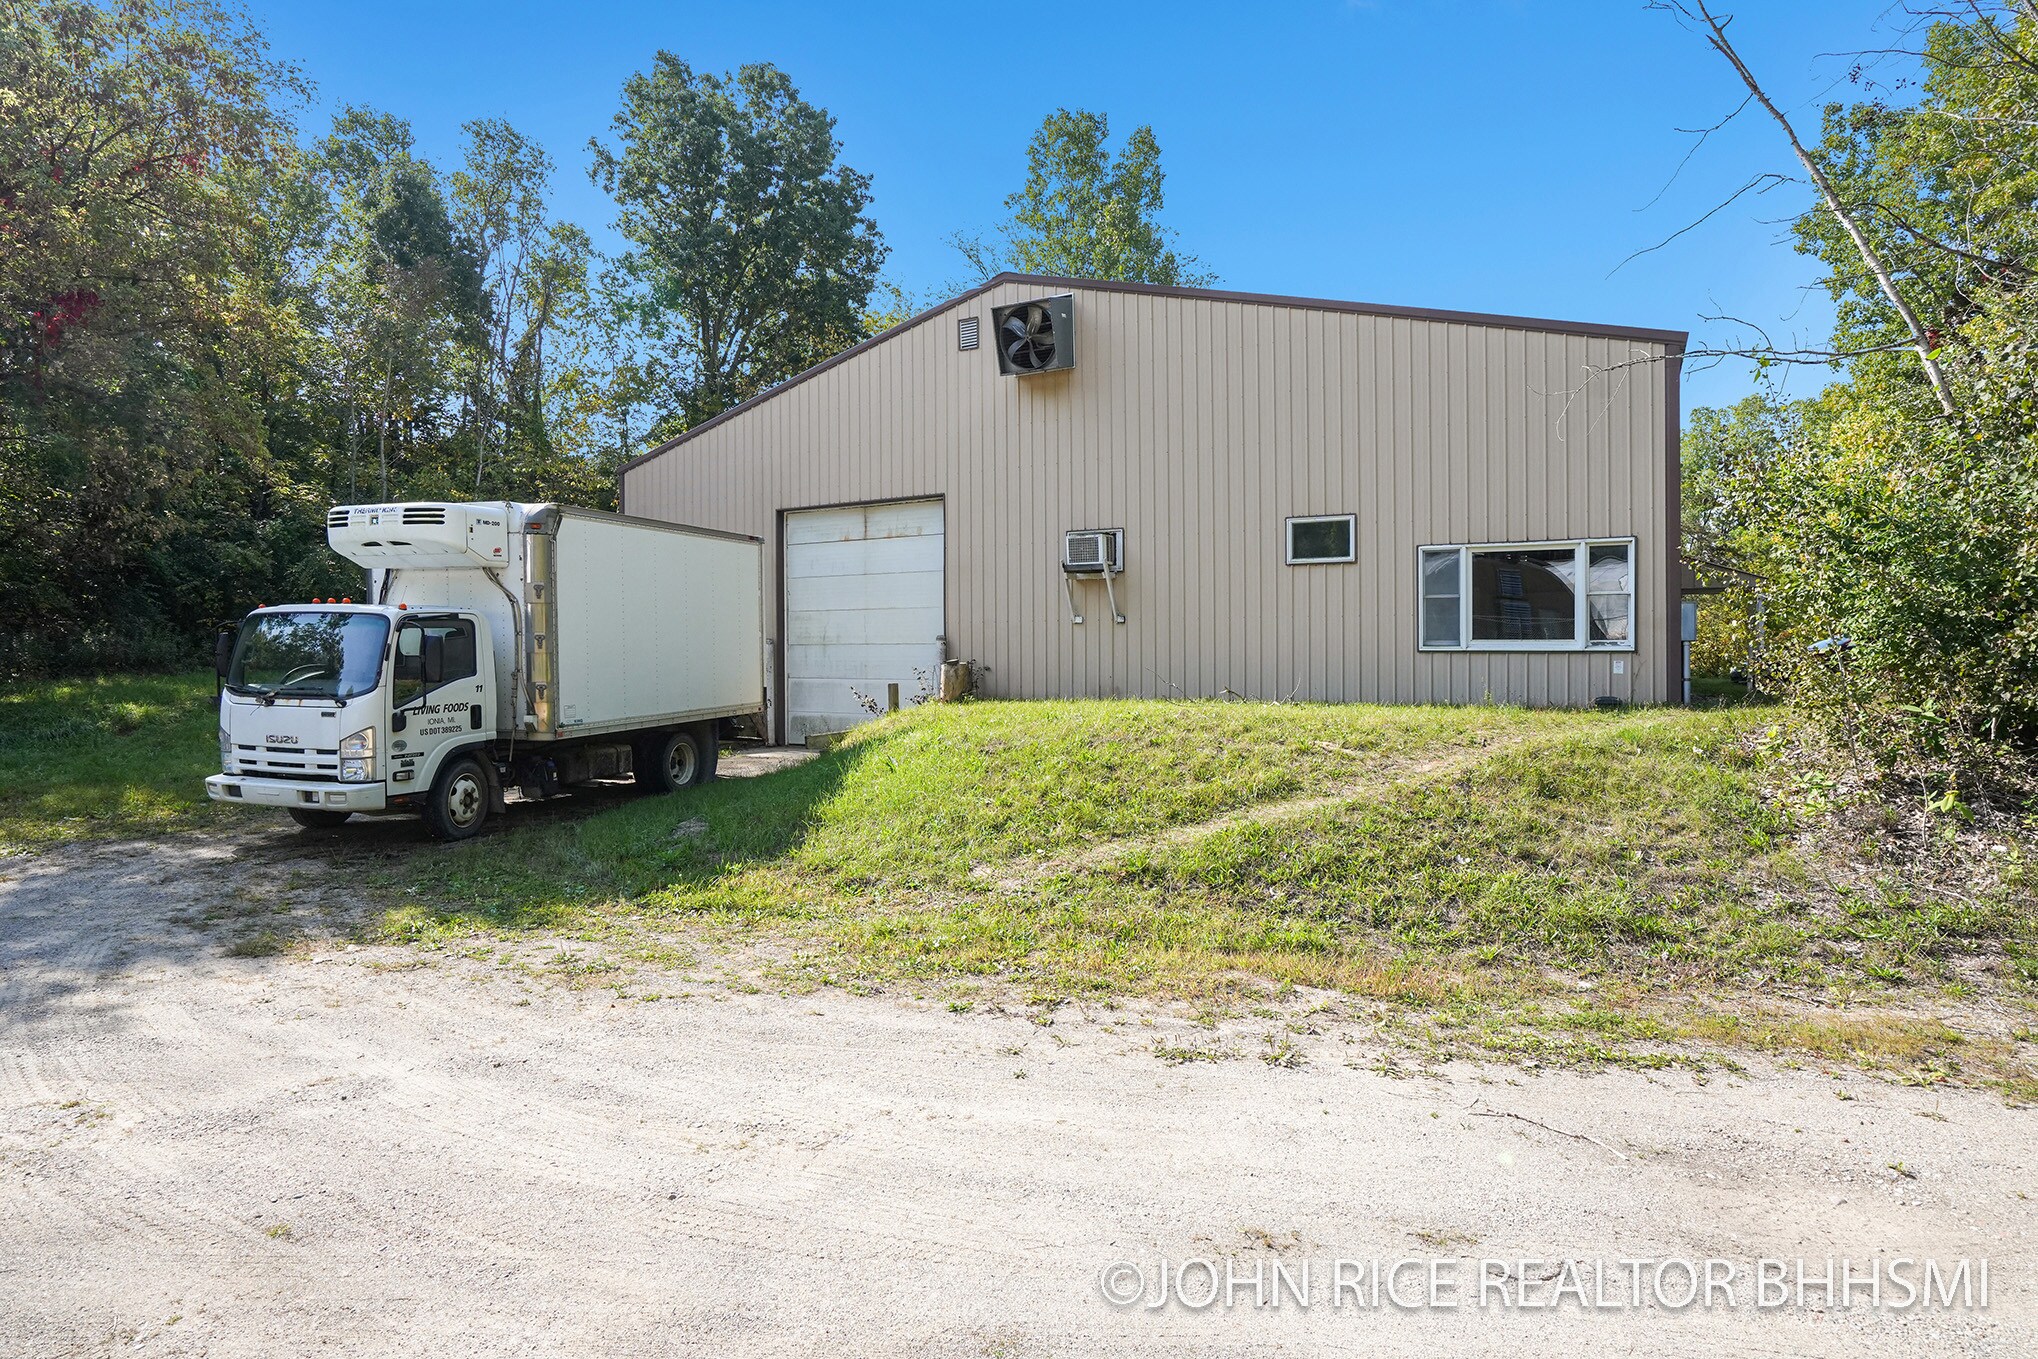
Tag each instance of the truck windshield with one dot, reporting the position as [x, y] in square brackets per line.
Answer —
[309, 654]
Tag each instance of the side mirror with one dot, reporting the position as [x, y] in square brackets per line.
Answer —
[432, 658]
[223, 651]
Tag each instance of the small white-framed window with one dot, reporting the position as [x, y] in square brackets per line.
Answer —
[1575, 595]
[1319, 538]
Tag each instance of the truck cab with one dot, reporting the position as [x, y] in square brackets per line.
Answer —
[331, 709]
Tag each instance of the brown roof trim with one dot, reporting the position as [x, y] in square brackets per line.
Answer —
[1674, 339]
[1470, 318]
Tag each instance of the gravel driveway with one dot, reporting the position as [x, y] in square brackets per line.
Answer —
[366, 1151]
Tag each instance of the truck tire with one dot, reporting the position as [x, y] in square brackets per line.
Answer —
[313, 818]
[458, 803]
[675, 760]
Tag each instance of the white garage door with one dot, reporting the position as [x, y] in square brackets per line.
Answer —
[862, 610]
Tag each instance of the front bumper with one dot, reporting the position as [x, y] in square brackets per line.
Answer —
[311, 796]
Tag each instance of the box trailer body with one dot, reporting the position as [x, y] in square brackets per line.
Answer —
[498, 644]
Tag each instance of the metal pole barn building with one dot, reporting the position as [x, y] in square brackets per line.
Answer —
[1281, 497]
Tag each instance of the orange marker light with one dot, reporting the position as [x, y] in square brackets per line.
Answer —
[346, 599]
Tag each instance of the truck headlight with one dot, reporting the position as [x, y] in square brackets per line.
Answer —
[226, 752]
[357, 757]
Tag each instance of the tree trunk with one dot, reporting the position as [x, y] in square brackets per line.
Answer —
[353, 487]
[382, 440]
[1869, 256]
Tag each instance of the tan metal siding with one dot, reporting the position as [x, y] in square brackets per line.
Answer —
[1199, 426]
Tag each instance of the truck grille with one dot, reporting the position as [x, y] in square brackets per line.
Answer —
[288, 764]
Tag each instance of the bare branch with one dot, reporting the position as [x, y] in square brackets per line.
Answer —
[1766, 182]
[1701, 133]
[1698, 11]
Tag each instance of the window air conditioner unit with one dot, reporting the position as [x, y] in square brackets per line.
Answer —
[1092, 552]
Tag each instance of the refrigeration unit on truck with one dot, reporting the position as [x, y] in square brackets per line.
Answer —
[499, 645]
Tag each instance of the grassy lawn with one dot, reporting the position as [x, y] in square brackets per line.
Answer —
[119, 755]
[1578, 883]
[1581, 885]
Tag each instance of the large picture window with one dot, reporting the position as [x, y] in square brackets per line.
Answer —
[1567, 596]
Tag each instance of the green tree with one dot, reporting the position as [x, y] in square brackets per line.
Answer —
[606, 382]
[748, 236]
[499, 206]
[135, 136]
[1942, 184]
[402, 288]
[1898, 509]
[1085, 213]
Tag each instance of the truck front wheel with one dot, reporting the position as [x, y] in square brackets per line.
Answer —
[458, 803]
[676, 760]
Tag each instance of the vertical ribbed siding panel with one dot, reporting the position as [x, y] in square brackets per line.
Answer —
[1377, 511]
[1238, 476]
[1232, 536]
[1190, 524]
[1250, 438]
[1199, 426]
[1348, 617]
[1305, 396]
[1276, 411]
[1659, 670]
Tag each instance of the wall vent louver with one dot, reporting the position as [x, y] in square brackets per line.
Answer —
[966, 333]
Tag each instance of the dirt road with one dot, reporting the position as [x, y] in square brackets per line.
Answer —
[354, 1153]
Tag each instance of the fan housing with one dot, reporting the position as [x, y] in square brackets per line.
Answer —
[1035, 337]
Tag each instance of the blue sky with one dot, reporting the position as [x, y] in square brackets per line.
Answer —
[1472, 154]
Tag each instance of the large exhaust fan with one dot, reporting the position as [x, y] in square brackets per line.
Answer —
[1035, 337]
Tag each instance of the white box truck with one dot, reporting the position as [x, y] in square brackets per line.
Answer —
[498, 645]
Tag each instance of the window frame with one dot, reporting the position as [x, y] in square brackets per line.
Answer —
[1351, 523]
[419, 622]
[1581, 639]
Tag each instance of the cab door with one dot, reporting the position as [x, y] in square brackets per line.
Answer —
[438, 694]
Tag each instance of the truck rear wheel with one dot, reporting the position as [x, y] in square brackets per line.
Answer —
[458, 803]
[312, 818]
[676, 760]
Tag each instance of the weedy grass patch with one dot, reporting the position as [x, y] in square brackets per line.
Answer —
[110, 755]
[1480, 868]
